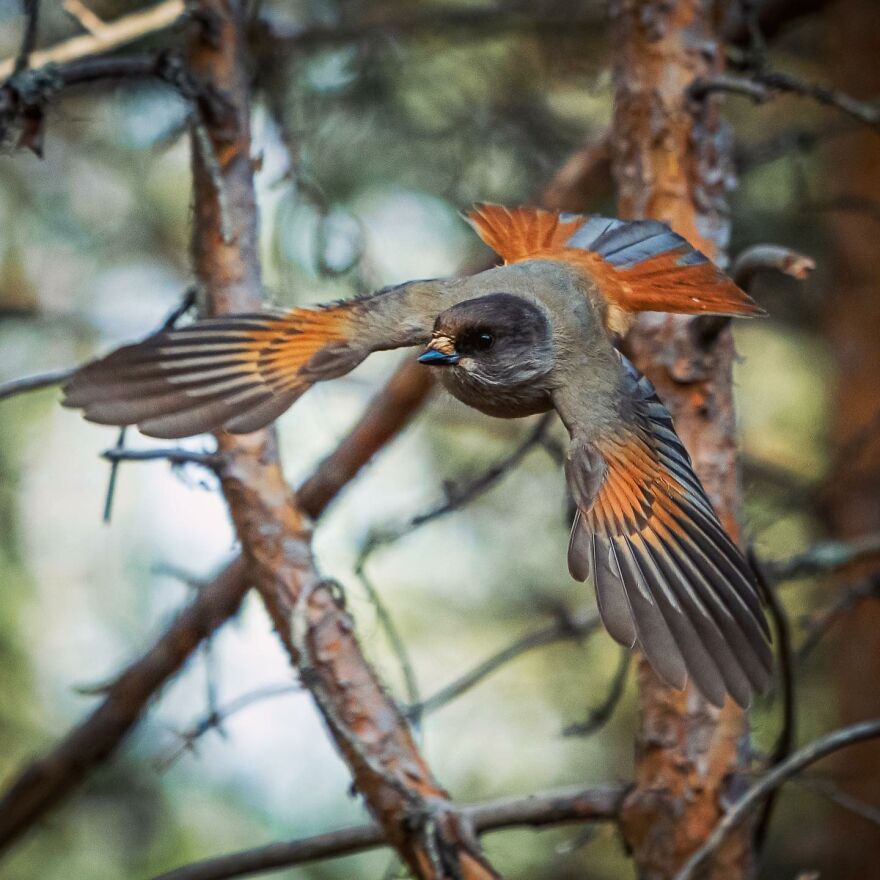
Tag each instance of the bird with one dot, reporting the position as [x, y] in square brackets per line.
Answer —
[538, 332]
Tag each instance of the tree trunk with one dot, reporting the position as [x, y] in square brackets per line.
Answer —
[671, 163]
[851, 327]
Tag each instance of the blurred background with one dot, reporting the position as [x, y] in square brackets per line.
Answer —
[371, 139]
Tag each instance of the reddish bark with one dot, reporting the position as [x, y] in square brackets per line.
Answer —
[670, 164]
[852, 33]
[368, 729]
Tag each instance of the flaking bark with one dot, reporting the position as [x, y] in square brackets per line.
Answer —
[368, 729]
[670, 163]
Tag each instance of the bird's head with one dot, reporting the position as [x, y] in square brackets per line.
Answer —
[498, 340]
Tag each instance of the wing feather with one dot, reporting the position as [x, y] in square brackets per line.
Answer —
[237, 373]
[638, 266]
[666, 572]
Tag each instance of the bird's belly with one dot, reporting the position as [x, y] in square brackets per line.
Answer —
[502, 402]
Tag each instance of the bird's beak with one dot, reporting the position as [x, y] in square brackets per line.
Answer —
[440, 353]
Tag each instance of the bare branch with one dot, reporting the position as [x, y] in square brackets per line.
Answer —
[751, 262]
[762, 87]
[566, 628]
[398, 646]
[802, 758]
[84, 16]
[112, 35]
[216, 717]
[389, 412]
[599, 804]
[35, 382]
[29, 37]
[175, 456]
[787, 733]
[770, 258]
[48, 779]
[836, 795]
[827, 557]
[187, 301]
[822, 623]
[458, 496]
[599, 716]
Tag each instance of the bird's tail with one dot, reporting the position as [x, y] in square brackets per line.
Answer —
[236, 373]
[638, 266]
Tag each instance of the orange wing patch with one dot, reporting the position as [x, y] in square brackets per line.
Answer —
[237, 373]
[667, 575]
[637, 266]
[522, 233]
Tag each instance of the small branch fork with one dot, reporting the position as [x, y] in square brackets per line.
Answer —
[49, 779]
[763, 87]
[537, 811]
[111, 35]
[789, 768]
[461, 494]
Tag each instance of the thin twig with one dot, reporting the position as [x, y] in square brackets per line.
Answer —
[398, 646]
[35, 382]
[802, 758]
[788, 731]
[600, 715]
[461, 494]
[29, 36]
[770, 258]
[761, 87]
[599, 804]
[390, 410]
[174, 456]
[836, 795]
[820, 626]
[113, 34]
[566, 627]
[115, 456]
[84, 16]
[49, 778]
[110, 494]
[827, 557]
[215, 718]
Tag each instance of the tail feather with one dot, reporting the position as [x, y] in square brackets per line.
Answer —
[237, 373]
[637, 265]
[516, 234]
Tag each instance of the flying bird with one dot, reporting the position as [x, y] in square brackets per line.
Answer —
[534, 334]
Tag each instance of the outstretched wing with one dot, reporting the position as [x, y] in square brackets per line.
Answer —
[637, 265]
[667, 576]
[240, 372]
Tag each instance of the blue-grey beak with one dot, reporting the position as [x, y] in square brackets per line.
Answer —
[435, 358]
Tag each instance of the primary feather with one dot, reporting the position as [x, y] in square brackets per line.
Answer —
[667, 575]
[237, 373]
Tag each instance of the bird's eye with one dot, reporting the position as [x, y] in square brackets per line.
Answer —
[475, 341]
[484, 341]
